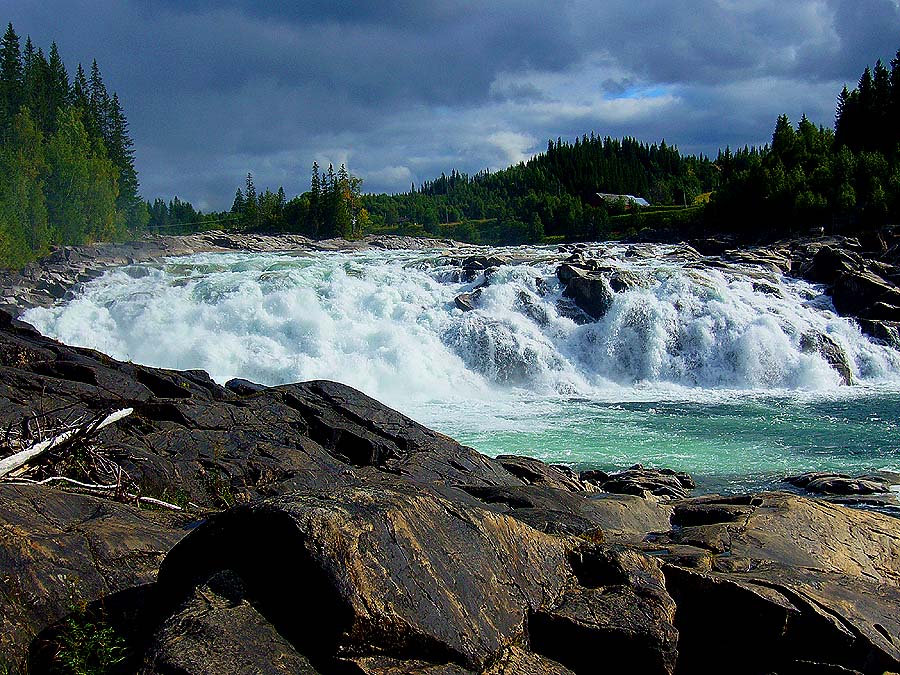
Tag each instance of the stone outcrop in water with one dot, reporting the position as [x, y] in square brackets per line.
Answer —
[592, 284]
[358, 541]
[643, 482]
[829, 483]
[861, 276]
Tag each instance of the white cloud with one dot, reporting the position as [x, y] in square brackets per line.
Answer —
[515, 147]
[390, 175]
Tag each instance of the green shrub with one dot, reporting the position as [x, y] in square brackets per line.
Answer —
[87, 645]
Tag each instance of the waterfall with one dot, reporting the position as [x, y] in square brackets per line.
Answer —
[386, 322]
[725, 370]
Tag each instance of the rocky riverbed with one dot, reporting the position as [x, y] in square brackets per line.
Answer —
[315, 530]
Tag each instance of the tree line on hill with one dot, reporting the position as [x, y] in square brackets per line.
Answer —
[809, 176]
[556, 193]
[67, 171]
[845, 179]
[553, 194]
[67, 176]
[332, 207]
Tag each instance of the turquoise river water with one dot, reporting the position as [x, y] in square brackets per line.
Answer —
[701, 367]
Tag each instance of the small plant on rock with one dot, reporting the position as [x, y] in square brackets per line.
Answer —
[87, 645]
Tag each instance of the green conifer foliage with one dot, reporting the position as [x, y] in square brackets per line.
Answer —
[23, 211]
[81, 186]
[11, 78]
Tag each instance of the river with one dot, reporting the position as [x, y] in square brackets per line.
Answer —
[698, 365]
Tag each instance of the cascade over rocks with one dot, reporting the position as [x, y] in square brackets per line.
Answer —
[862, 286]
[62, 273]
[323, 532]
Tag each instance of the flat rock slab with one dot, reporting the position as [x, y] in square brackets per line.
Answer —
[827, 483]
[58, 550]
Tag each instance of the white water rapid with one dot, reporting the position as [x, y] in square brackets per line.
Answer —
[519, 363]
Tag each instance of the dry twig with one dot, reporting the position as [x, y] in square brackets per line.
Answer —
[14, 467]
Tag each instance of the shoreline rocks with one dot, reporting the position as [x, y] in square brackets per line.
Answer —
[345, 537]
[323, 532]
[642, 482]
[841, 484]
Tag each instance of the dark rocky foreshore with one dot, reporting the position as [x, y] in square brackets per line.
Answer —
[320, 532]
[325, 533]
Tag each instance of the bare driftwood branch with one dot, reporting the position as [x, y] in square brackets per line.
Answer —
[101, 489]
[23, 457]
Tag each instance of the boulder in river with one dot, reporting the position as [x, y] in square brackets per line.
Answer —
[828, 483]
[593, 285]
[830, 262]
[886, 332]
[467, 301]
[865, 294]
[641, 481]
[831, 351]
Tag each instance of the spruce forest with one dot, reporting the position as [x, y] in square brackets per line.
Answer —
[845, 179]
[67, 176]
[67, 171]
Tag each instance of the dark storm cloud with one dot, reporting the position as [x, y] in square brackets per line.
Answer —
[404, 90]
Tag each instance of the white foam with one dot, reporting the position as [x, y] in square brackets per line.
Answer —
[385, 322]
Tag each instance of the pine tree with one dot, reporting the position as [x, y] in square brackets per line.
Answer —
[343, 218]
[314, 224]
[37, 89]
[23, 210]
[237, 206]
[58, 85]
[80, 95]
[120, 149]
[894, 102]
[251, 205]
[97, 121]
[28, 57]
[11, 78]
[784, 142]
[280, 202]
[329, 203]
[81, 186]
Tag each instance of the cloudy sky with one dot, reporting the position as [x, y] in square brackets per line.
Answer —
[401, 90]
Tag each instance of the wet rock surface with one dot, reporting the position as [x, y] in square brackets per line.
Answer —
[827, 483]
[323, 532]
[592, 283]
[643, 482]
[860, 275]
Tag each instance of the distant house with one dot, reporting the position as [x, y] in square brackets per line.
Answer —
[628, 200]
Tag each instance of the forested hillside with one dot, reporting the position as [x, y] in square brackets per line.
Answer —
[553, 194]
[844, 179]
[66, 160]
[67, 176]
